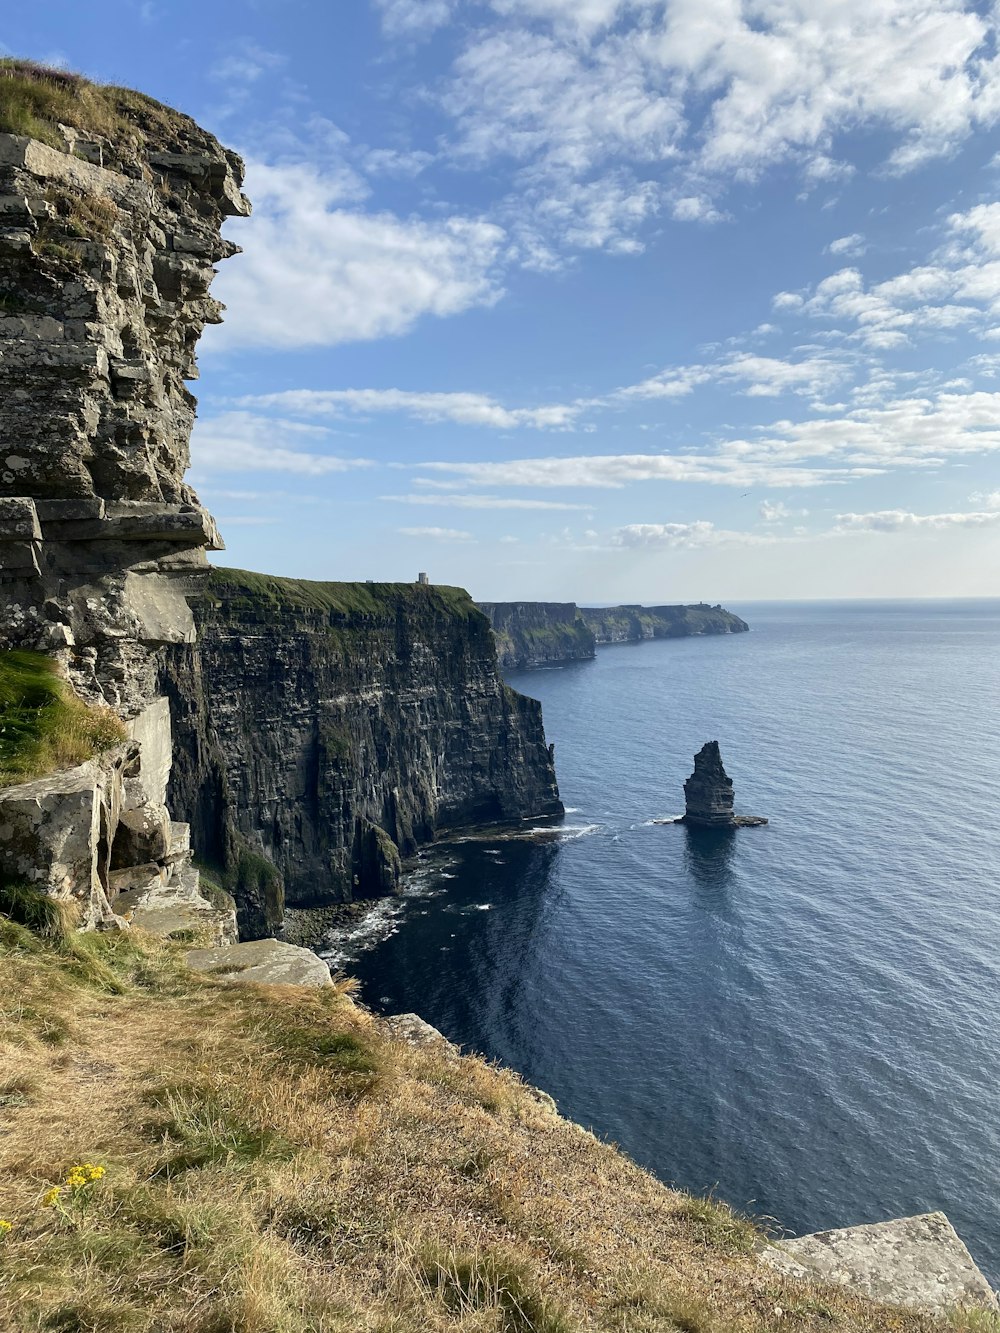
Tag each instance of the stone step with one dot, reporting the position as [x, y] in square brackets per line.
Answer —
[178, 905]
[268, 962]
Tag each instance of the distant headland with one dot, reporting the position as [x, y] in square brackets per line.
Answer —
[546, 634]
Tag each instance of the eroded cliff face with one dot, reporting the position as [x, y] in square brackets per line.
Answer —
[312, 736]
[331, 728]
[107, 247]
[106, 256]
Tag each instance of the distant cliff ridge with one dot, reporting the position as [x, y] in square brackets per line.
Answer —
[540, 634]
[333, 727]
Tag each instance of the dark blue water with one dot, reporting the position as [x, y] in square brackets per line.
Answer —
[804, 1017]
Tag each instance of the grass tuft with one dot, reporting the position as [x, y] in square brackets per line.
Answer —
[41, 913]
[43, 725]
[489, 1280]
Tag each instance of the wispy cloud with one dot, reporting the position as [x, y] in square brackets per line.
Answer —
[464, 501]
[848, 247]
[684, 536]
[466, 409]
[900, 520]
[239, 442]
[437, 534]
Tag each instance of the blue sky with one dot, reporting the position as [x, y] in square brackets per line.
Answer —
[594, 299]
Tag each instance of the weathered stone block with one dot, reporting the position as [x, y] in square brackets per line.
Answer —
[19, 520]
[53, 832]
[913, 1261]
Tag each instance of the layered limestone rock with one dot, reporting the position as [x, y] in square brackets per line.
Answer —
[107, 247]
[708, 794]
[332, 728]
[106, 257]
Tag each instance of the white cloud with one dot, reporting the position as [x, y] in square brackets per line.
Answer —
[245, 62]
[722, 87]
[849, 247]
[613, 471]
[585, 16]
[317, 274]
[760, 376]
[985, 499]
[775, 511]
[438, 534]
[525, 96]
[696, 208]
[466, 409]
[899, 520]
[479, 502]
[414, 18]
[683, 536]
[241, 442]
[957, 287]
[598, 214]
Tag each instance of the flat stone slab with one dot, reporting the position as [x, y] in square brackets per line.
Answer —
[418, 1032]
[919, 1262]
[268, 962]
[171, 908]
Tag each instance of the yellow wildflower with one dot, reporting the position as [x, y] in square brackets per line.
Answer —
[5, 1227]
[51, 1197]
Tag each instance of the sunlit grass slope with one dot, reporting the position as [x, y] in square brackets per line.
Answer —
[273, 1162]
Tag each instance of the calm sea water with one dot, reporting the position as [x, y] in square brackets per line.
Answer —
[804, 1017]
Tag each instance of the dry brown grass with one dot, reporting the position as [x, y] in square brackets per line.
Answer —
[277, 1164]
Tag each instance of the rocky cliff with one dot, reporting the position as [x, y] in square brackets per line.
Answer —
[538, 634]
[332, 727]
[110, 209]
[318, 731]
[631, 624]
[545, 634]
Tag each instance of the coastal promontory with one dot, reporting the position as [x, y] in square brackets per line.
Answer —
[547, 634]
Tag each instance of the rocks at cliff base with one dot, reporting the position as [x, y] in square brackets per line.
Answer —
[708, 794]
[913, 1261]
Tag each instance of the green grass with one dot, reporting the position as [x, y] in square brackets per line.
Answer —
[35, 99]
[380, 601]
[43, 725]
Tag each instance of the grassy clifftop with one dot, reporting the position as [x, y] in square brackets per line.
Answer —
[245, 590]
[241, 1160]
[35, 99]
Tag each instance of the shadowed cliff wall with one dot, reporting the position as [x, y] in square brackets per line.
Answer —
[331, 727]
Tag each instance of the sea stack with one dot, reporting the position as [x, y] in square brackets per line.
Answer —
[708, 794]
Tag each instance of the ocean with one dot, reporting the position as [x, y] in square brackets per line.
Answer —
[803, 1019]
